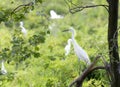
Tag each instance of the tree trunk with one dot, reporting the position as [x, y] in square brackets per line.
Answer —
[113, 42]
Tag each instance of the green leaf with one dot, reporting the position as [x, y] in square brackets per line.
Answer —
[36, 54]
[40, 1]
[2, 16]
[9, 24]
[37, 48]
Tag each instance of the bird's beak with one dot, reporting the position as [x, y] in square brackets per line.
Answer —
[65, 30]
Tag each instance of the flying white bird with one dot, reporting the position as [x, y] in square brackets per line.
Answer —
[79, 51]
[54, 15]
[3, 70]
[67, 47]
[23, 30]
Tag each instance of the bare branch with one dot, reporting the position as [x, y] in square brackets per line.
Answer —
[21, 6]
[91, 68]
[80, 8]
[107, 67]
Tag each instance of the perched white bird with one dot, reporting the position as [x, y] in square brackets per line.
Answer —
[3, 70]
[23, 30]
[67, 47]
[82, 55]
[54, 15]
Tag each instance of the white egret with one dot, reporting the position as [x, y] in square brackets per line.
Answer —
[3, 70]
[79, 51]
[67, 47]
[54, 15]
[23, 30]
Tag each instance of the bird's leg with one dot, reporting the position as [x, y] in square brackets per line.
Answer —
[79, 67]
[90, 68]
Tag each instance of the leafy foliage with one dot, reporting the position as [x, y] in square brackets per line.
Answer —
[39, 56]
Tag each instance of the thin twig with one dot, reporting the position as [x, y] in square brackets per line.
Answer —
[107, 67]
[77, 8]
[21, 6]
[67, 4]
[70, 1]
[80, 8]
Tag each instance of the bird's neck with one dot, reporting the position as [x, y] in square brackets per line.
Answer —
[73, 36]
[3, 64]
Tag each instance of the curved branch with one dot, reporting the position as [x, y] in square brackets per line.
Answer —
[80, 79]
[80, 8]
[21, 6]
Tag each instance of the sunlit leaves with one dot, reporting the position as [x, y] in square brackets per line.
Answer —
[43, 56]
[50, 82]
[22, 48]
[16, 13]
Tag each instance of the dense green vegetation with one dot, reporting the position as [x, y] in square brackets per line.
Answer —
[38, 59]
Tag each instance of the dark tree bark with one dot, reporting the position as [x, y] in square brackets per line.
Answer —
[113, 42]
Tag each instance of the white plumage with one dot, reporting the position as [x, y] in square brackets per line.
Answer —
[67, 47]
[79, 51]
[23, 30]
[3, 70]
[54, 15]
